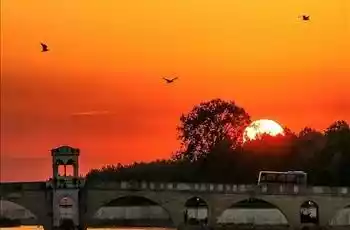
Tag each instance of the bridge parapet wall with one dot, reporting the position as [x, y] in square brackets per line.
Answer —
[6, 188]
[223, 188]
[191, 187]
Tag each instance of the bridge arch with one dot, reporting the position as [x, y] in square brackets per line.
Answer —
[196, 211]
[253, 211]
[132, 210]
[341, 217]
[19, 213]
[9, 206]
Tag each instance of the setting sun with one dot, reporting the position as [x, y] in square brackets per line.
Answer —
[263, 126]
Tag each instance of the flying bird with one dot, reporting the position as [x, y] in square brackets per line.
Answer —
[168, 81]
[44, 47]
[305, 17]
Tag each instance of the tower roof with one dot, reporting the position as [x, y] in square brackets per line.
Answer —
[65, 150]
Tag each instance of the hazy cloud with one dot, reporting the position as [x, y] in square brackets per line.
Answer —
[92, 113]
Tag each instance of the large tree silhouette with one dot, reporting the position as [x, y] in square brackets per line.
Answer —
[209, 123]
[337, 152]
[308, 146]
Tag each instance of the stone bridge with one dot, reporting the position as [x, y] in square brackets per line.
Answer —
[172, 197]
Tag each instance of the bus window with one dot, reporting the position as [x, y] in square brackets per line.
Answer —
[271, 178]
[281, 178]
[290, 177]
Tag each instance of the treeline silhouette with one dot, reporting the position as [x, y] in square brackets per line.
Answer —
[212, 150]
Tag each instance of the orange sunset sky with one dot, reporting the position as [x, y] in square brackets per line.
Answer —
[110, 56]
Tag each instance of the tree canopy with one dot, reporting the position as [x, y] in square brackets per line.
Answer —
[209, 123]
[212, 151]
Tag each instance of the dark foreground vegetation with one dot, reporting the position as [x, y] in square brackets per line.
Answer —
[212, 150]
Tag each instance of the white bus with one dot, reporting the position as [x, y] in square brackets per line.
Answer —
[290, 177]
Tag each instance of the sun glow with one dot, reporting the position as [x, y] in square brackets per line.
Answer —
[263, 126]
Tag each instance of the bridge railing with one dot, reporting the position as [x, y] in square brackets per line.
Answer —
[223, 188]
[191, 187]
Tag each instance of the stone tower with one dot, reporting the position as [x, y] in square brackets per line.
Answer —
[65, 187]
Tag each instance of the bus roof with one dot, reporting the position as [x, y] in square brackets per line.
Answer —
[288, 172]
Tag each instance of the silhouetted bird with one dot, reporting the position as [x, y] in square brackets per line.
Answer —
[44, 47]
[169, 80]
[306, 17]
